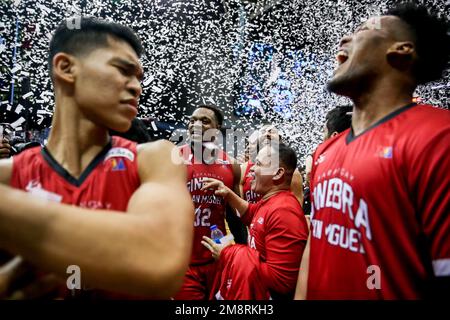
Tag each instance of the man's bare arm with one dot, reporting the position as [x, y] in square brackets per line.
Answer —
[242, 179]
[302, 282]
[237, 177]
[297, 186]
[143, 252]
[5, 170]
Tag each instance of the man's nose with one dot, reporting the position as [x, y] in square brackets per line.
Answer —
[346, 39]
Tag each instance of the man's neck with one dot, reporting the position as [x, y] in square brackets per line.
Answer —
[75, 141]
[274, 190]
[207, 152]
[373, 106]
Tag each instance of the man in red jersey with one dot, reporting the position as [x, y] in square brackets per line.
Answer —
[205, 159]
[268, 266]
[381, 201]
[81, 184]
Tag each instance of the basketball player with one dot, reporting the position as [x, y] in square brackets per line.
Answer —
[95, 202]
[381, 200]
[205, 159]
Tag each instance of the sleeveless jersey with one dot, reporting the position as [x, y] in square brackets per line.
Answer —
[107, 183]
[209, 208]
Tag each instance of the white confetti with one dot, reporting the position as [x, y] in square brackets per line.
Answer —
[18, 122]
[273, 56]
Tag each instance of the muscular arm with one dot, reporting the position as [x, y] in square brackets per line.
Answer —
[5, 170]
[302, 282]
[242, 178]
[297, 186]
[144, 252]
[236, 176]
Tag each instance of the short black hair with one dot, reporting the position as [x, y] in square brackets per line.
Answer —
[432, 40]
[287, 156]
[80, 35]
[339, 119]
[217, 112]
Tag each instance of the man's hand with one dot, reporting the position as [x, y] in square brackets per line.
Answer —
[220, 188]
[215, 248]
[5, 149]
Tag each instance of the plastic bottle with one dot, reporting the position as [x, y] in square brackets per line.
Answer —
[216, 234]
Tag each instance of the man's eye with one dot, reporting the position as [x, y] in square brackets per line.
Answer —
[123, 70]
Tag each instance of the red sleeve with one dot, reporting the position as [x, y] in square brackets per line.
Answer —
[429, 176]
[248, 216]
[238, 275]
[285, 241]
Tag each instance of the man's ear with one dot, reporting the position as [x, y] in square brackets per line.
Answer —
[401, 54]
[335, 133]
[64, 67]
[279, 174]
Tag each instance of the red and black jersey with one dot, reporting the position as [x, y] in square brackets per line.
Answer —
[248, 194]
[107, 183]
[380, 208]
[209, 208]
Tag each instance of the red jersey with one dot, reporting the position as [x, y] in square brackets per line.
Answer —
[380, 208]
[278, 232]
[209, 208]
[107, 183]
[249, 195]
[239, 277]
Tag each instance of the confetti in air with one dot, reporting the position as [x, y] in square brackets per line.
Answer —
[257, 60]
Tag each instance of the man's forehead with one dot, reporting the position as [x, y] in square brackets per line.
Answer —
[203, 112]
[381, 21]
[124, 49]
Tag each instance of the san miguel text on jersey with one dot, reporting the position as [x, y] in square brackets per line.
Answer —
[209, 208]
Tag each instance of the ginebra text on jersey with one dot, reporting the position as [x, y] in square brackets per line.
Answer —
[337, 194]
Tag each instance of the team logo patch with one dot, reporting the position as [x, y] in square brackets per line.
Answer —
[118, 165]
[386, 152]
[261, 220]
[120, 152]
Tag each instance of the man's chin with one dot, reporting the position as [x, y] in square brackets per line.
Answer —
[339, 85]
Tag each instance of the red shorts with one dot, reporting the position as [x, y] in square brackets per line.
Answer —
[198, 282]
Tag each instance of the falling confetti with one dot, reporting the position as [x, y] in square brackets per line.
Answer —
[273, 57]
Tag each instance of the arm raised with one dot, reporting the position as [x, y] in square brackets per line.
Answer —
[222, 190]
